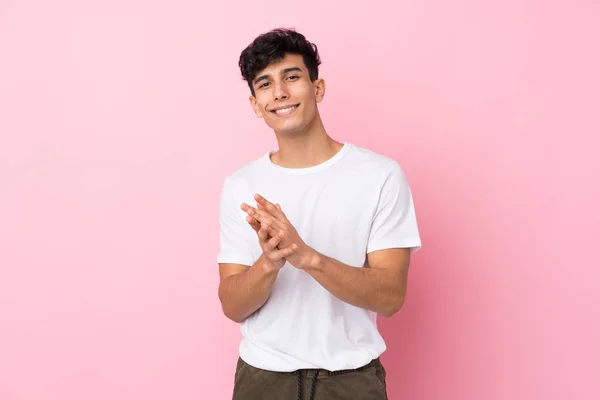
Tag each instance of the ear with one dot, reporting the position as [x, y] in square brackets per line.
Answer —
[255, 107]
[319, 89]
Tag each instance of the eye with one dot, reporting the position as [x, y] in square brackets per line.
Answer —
[264, 85]
[293, 77]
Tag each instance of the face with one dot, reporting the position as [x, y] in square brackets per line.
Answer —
[285, 97]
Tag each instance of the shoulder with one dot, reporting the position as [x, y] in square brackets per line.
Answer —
[378, 165]
[240, 179]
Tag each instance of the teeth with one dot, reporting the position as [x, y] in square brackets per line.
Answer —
[284, 110]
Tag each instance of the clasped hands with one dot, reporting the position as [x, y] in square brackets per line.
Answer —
[278, 239]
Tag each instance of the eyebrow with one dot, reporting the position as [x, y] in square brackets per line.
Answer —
[285, 71]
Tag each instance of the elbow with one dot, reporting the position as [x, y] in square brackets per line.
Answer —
[233, 317]
[231, 314]
[227, 309]
[392, 306]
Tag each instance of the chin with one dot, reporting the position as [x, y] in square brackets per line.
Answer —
[292, 129]
[289, 131]
[286, 129]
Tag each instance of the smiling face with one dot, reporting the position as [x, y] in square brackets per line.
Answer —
[285, 97]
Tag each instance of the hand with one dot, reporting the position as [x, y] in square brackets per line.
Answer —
[269, 240]
[273, 217]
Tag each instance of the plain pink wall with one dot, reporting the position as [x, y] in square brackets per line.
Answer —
[119, 121]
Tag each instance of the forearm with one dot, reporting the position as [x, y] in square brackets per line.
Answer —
[244, 293]
[381, 290]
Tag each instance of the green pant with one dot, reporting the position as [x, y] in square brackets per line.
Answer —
[365, 383]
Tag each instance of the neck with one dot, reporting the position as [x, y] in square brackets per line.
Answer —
[304, 150]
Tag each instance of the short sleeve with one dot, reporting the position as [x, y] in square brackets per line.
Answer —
[235, 238]
[394, 223]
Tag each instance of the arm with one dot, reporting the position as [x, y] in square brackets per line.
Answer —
[394, 235]
[246, 281]
[243, 289]
[380, 288]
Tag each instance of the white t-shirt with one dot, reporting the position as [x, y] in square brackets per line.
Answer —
[356, 202]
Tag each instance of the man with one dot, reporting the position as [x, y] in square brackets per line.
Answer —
[316, 239]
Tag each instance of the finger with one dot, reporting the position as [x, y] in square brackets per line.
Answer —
[263, 232]
[263, 209]
[279, 208]
[281, 211]
[272, 231]
[253, 223]
[280, 217]
[257, 225]
[269, 207]
[264, 217]
[274, 241]
[283, 253]
[247, 208]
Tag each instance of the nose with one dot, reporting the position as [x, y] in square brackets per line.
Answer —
[280, 91]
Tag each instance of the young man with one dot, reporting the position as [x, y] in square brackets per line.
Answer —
[316, 239]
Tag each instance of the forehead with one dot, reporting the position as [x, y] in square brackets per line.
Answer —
[289, 61]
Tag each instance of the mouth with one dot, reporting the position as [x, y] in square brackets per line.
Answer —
[285, 111]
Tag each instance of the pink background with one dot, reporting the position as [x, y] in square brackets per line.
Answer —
[120, 119]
